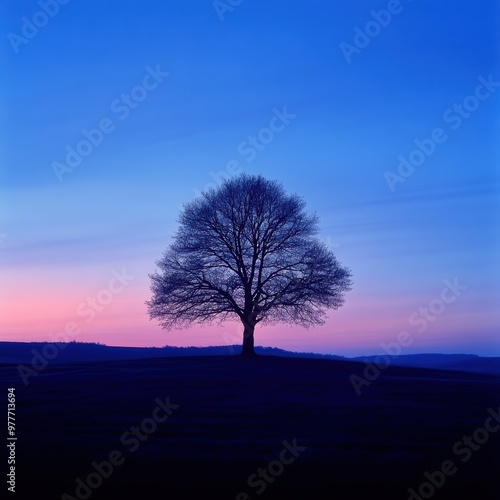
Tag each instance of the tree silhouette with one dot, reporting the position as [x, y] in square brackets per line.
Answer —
[246, 250]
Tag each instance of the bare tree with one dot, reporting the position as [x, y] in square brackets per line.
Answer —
[247, 250]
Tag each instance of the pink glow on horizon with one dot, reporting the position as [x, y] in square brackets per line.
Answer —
[359, 327]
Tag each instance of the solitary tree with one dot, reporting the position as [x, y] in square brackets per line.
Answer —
[246, 250]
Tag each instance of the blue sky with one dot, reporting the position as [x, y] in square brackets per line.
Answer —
[350, 119]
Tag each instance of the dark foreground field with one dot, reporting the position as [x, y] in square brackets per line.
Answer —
[233, 418]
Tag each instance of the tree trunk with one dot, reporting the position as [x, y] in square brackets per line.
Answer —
[248, 341]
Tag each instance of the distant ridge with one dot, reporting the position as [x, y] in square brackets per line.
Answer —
[72, 352]
[460, 362]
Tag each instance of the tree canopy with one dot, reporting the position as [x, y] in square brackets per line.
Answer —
[247, 250]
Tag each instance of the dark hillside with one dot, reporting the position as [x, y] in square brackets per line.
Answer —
[234, 415]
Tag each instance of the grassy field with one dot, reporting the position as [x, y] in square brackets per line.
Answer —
[233, 428]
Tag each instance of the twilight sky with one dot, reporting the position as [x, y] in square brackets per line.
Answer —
[117, 112]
